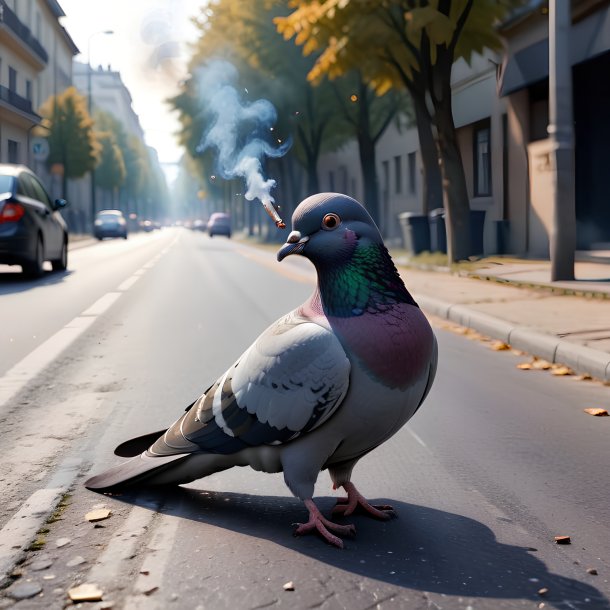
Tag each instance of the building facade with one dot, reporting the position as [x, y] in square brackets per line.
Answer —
[501, 113]
[35, 62]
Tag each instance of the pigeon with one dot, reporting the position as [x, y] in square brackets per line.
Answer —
[320, 388]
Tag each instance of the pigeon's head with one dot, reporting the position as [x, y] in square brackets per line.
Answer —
[329, 227]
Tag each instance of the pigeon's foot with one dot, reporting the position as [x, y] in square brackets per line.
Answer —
[317, 522]
[354, 500]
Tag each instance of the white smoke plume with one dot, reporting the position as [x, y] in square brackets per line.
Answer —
[236, 158]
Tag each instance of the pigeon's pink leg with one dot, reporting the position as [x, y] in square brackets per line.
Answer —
[320, 524]
[355, 499]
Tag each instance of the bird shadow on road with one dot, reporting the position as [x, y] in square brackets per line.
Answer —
[425, 549]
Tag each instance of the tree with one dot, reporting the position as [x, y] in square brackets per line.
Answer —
[69, 130]
[110, 173]
[367, 116]
[410, 44]
[269, 67]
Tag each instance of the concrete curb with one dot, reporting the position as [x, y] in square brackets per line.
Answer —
[580, 358]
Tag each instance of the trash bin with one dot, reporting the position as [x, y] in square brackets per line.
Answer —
[438, 231]
[477, 223]
[415, 232]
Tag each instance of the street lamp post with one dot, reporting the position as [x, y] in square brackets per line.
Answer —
[90, 109]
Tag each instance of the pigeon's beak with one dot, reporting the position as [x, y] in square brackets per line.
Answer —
[294, 245]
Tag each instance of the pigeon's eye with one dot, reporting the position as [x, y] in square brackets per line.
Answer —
[330, 222]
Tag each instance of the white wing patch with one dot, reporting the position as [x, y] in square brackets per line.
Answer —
[291, 374]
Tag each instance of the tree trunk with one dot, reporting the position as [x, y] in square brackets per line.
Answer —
[455, 193]
[368, 165]
[432, 186]
[313, 183]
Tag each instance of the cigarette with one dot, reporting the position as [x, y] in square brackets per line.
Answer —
[279, 223]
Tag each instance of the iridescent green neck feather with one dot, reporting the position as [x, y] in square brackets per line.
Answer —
[367, 282]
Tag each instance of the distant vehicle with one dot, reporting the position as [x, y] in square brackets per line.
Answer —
[219, 224]
[110, 223]
[31, 228]
[200, 225]
[147, 226]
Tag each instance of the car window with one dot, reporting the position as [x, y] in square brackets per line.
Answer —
[40, 193]
[25, 186]
[6, 184]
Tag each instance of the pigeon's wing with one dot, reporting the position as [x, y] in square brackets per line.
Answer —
[287, 383]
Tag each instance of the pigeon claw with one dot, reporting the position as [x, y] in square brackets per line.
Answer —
[318, 523]
[355, 500]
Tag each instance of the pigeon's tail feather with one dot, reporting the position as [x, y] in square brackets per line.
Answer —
[135, 446]
[140, 470]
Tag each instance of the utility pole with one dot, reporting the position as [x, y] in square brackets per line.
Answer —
[561, 134]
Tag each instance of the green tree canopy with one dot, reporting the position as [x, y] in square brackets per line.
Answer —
[69, 129]
[410, 44]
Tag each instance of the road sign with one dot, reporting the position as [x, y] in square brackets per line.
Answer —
[40, 149]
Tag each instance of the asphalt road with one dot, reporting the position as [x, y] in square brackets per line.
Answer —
[495, 465]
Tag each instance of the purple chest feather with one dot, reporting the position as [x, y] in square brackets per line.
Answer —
[395, 346]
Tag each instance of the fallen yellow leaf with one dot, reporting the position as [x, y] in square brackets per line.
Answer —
[596, 412]
[562, 370]
[584, 377]
[98, 515]
[525, 366]
[541, 365]
[499, 346]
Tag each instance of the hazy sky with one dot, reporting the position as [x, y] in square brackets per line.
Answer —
[148, 48]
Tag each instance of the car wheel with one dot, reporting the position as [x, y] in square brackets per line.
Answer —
[61, 263]
[34, 268]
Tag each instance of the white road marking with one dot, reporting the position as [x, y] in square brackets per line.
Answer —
[102, 305]
[416, 437]
[18, 376]
[128, 283]
[157, 556]
[21, 528]
[122, 546]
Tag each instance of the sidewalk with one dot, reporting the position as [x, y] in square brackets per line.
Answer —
[563, 322]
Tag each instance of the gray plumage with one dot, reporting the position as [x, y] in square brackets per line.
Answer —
[321, 387]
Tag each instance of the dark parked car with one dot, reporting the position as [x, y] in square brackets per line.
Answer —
[110, 223]
[31, 228]
[219, 224]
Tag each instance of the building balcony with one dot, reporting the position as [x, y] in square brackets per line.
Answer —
[18, 36]
[17, 102]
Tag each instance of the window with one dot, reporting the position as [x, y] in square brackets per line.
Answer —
[482, 159]
[411, 162]
[386, 181]
[12, 79]
[40, 193]
[13, 151]
[397, 175]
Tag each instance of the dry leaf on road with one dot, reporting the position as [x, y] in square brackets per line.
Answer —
[541, 365]
[525, 366]
[86, 592]
[563, 540]
[562, 370]
[98, 515]
[499, 346]
[597, 412]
